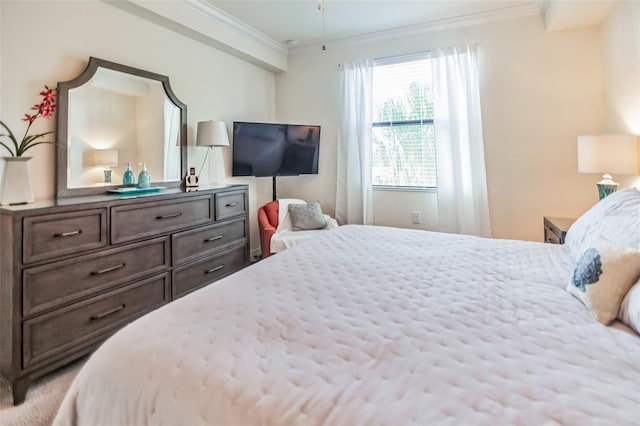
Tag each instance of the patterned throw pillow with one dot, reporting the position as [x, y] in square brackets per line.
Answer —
[604, 274]
[306, 216]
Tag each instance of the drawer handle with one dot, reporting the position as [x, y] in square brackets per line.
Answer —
[112, 268]
[217, 237]
[169, 216]
[232, 204]
[212, 270]
[68, 234]
[109, 312]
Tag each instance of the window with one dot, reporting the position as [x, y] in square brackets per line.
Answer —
[404, 145]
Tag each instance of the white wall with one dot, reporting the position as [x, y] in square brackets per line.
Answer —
[50, 41]
[539, 92]
[621, 54]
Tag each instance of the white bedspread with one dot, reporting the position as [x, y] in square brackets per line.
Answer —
[371, 326]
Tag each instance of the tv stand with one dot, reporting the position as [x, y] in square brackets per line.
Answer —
[274, 188]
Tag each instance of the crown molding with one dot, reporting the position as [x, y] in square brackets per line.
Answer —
[502, 14]
[221, 16]
[201, 21]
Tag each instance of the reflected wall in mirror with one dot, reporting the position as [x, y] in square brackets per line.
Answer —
[113, 115]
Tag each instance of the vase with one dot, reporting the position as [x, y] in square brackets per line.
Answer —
[16, 185]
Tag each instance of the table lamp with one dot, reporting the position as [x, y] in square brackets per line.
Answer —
[105, 158]
[617, 154]
[211, 133]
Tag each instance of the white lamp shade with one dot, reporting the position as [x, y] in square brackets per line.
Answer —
[104, 157]
[614, 154]
[212, 133]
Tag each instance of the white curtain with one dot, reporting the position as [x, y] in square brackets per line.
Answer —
[354, 189]
[463, 205]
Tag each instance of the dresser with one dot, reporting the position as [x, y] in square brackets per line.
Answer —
[74, 271]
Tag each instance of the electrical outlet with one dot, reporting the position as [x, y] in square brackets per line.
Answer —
[416, 217]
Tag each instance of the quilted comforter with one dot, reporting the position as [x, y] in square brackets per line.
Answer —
[370, 326]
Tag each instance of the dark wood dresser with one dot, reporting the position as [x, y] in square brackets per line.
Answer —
[76, 270]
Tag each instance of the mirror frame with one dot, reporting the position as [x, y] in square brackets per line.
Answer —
[62, 125]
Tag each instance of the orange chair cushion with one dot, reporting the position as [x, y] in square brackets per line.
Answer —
[267, 224]
[272, 212]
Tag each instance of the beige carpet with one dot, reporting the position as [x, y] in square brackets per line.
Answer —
[43, 398]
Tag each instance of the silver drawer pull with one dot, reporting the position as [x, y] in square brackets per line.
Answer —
[169, 216]
[112, 268]
[217, 237]
[109, 312]
[212, 270]
[68, 234]
[231, 204]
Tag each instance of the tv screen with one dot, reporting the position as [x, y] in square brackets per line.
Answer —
[265, 149]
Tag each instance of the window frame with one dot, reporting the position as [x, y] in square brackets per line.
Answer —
[393, 60]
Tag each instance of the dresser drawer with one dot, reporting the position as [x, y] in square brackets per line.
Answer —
[55, 235]
[197, 274]
[189, 245]
[137, 221]
[48, 286]
[90, 321]
[551, 237]
[230, 204]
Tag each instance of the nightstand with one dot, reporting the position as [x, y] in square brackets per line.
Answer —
[555, 229]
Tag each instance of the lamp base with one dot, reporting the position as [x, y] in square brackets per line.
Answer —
[107, 175]
[606, 186]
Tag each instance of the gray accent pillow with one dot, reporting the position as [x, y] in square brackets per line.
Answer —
[306, 216]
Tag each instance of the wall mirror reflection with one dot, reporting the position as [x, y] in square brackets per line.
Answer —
[112, 119]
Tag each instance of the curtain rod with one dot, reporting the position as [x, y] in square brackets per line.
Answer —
[406, 56]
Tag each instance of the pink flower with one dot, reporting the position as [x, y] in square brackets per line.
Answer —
[45, 108]
[30, 118]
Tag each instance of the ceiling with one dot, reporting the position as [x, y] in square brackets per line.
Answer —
[300, 20]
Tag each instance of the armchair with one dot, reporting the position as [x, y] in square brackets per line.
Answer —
[275, 230]
[267, 225]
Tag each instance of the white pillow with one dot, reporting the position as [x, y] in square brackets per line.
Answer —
[604, 274]
[630, 308]
[616, 217]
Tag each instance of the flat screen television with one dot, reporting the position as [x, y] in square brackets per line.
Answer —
[268, 149]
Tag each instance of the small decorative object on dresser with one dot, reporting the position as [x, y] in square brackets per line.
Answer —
[128, 178]
[192, 182]
[16, 188]
[144, 178]
[555, 229]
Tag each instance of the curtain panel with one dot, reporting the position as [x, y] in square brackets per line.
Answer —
[463, 205]
[354, 194]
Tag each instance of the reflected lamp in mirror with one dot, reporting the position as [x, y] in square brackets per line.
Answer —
[105, 158]
[608, 154]
[211, 133]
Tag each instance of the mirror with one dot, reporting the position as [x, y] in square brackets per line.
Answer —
[111, 115]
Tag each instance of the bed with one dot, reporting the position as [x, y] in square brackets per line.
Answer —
[372, 326]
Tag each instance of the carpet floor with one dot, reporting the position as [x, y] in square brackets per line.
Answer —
[43, 398]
